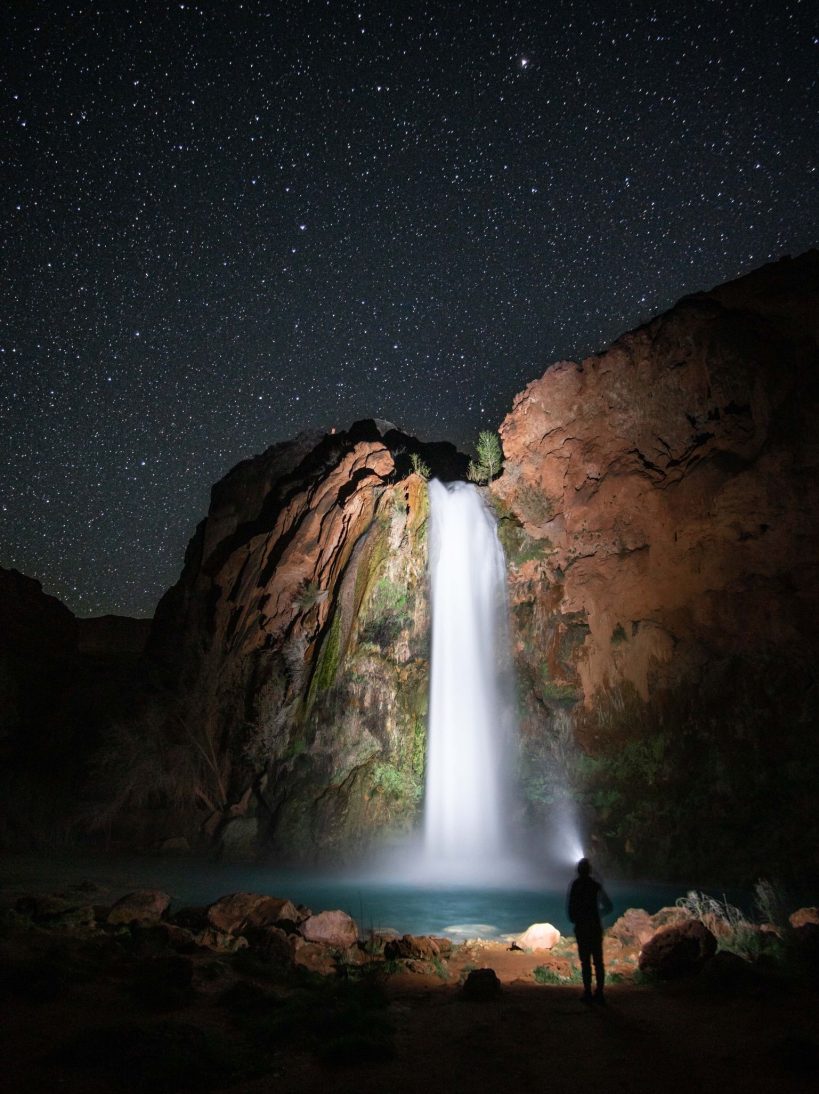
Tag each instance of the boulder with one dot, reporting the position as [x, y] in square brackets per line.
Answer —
[356, 955]
[802, 916]
[290, 926]
[142, 906]
[540, 936]
[806, 950]
[335, 928]
[729, 973]
[153, 938]
[678, 950]
[178, 938]
[273, 943]
[418, 947]
[633, 929]
[221, 940]
[482, 984]
[378, 939]
[314, 956]
[192, 919]
[669, 916]
[238, 911]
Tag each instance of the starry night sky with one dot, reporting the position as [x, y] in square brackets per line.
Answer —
[224, 223]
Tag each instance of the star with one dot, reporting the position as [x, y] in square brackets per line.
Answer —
[483, 225]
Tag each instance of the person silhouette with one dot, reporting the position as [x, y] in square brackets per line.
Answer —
[587, 901]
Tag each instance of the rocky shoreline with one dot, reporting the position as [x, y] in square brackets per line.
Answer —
[289, 937]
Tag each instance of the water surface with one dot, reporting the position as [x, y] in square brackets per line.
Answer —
[457, 911]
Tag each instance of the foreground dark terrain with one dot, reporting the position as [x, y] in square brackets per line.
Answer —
[255, 993]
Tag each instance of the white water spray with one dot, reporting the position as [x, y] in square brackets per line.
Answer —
[470, 719]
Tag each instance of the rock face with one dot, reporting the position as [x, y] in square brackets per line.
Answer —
[660, 508]
[294, 648]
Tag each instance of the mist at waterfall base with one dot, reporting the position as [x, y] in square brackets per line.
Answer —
[470, 836]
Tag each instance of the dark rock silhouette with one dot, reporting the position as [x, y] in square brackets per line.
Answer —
[482, 984]
[63, 681]
[677, 951]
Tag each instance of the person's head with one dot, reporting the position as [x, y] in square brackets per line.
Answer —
[584, 867]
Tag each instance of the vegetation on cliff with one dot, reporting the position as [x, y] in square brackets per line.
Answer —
[489, 460]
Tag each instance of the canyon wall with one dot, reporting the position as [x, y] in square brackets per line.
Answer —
[659, 509]
[660, 506]
[294, 651]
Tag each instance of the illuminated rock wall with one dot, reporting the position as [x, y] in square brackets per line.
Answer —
[295, 645]
[660, 505]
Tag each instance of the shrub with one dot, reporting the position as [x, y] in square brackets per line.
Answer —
[489, 460]
[396, 784]
[715, 773]
[733, 931]
[440, 968]
[545, 975]
[158, 760]
[420, 467]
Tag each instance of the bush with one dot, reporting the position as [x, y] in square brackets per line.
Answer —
[716, 774]
[734, 931]
[490, 458]
[545, 975]
[420, 467]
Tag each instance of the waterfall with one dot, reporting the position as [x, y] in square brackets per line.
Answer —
[467, 797]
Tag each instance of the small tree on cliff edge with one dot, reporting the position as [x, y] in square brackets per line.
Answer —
[490, 458]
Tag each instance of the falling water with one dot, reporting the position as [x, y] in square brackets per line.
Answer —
[469, 713]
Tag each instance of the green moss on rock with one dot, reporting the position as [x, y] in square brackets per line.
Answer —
[328, 660]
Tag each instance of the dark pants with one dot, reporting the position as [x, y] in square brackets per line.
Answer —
[590, 949]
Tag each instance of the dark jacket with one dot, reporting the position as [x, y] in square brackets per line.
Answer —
[587, 901]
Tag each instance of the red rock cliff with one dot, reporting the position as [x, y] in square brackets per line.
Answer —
[668, 499]
[294, 649]
[675, 478]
